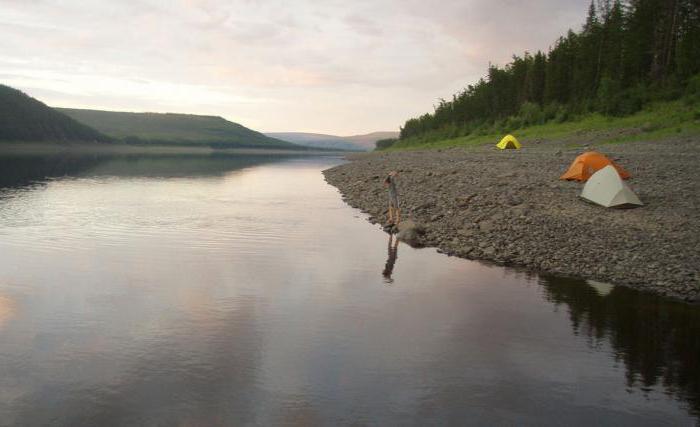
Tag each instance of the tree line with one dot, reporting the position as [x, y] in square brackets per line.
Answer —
[627, 54]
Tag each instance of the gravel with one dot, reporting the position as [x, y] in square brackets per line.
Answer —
[509, 207]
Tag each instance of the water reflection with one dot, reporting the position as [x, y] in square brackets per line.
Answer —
[22, 170]
[193, 291]
[658, 340]
[17, 171]
[393, 250]
[202, 373]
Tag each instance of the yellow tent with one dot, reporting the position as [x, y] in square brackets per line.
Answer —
[508, 141]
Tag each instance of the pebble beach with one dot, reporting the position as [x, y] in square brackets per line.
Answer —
[509, 207]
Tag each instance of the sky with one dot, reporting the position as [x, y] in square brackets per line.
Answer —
[336, 67]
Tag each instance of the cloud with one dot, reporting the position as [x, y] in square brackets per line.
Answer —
[308, 65]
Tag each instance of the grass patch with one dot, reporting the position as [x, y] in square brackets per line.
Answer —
[657, 121]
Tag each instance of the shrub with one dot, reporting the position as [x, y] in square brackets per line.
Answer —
[550, 111]
[693, 86]
[631, 101]
[383, 144]
[531, 114]
[563, 115]
[692, 91]
[512, 122]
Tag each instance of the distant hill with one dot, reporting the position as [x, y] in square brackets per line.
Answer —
[367, 140]
[170, 128]
[23, 118]
[318, 140]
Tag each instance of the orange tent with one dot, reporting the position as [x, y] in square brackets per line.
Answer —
[587, 164]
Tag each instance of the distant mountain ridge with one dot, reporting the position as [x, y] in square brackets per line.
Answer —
[23, 118]
[173, 128]
[363, 142]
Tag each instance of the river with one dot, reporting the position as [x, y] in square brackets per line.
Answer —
[230, 290]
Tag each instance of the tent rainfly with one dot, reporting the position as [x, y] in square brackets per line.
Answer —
[587, 164]
[509, 141]
[606, 188]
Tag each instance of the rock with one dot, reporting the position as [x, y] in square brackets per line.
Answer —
[514, 201]
[463, 201]
[406, 224]
[520, 210]
[487, 226]
[498, 216]
[408, 236]
[466, 232]
[410, 232]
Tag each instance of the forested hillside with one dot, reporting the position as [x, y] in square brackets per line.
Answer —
[628, 54]
[187, 129]
[23, 118]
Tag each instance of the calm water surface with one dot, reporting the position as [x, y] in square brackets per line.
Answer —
[243, 291]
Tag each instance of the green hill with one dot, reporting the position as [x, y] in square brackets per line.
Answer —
[170, 128]
[23, 118]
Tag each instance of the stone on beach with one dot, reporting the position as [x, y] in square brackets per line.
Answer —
[409, 232]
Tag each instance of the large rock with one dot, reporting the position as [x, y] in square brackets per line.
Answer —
[409, 232]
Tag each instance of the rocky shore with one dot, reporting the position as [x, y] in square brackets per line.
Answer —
[509, 207]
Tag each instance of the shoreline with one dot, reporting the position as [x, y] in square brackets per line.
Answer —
[44, 149]
[509, 207]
